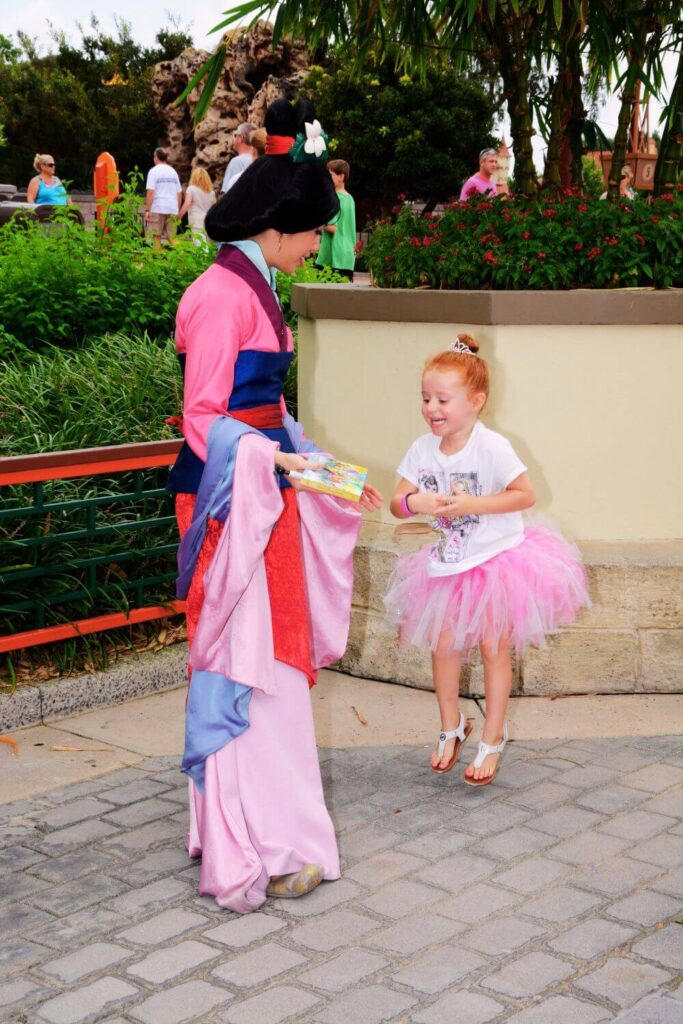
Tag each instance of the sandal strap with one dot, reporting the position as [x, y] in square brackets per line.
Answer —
[484, 749]
[452, 734]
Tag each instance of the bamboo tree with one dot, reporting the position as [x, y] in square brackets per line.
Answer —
[514, 65]
[632, 81]
[457, 30]
[577, 114]
[562, 97]
[642, 30]
[670, 160]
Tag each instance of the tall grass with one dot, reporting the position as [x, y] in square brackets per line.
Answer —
[116, 390]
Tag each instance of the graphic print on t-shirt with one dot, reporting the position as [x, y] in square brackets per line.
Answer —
[454, 532]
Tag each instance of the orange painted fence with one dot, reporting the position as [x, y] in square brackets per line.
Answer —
[89, 462]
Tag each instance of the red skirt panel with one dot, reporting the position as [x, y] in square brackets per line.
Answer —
[284, 574]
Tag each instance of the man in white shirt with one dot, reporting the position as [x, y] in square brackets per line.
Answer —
[163, 200]
[241, 143]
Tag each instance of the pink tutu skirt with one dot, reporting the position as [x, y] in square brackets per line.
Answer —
[521, 595]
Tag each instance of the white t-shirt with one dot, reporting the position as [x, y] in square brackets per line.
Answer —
[165, 182]
[486, 465]
[237, 166]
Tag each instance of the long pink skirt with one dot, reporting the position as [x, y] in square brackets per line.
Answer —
[520, 595]
[263, 811]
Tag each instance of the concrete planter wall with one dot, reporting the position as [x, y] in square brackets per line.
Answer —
[586, 385]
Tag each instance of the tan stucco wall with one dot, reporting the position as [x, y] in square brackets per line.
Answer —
[594, 411]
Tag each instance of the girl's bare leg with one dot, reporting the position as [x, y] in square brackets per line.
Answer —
[497, 686]
[446, 675]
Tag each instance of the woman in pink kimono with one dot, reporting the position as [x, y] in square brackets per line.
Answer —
[266, 568]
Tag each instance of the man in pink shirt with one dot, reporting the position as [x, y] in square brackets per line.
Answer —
[482, 183]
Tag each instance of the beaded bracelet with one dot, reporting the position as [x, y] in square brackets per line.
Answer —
[406, 507]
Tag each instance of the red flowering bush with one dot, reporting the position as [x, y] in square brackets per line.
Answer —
[569, 242]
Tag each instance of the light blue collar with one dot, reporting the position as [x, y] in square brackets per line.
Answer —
[252, 250]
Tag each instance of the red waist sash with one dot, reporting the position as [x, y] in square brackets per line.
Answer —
[262, 417]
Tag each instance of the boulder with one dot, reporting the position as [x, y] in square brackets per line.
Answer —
[254, 74]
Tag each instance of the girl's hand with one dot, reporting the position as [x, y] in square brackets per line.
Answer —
[428, 503]
[460, 503]
[370, 499]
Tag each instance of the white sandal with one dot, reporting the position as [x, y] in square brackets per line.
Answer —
[459, 735]
[482, 753]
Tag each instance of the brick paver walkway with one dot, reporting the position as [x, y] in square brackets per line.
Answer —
[547, 898]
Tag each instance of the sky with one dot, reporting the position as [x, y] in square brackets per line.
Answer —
[35, 16]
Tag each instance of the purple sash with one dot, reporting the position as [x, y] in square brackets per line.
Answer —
[233, 259]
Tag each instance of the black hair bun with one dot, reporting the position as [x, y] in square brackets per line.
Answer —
[274, 192]
[281, 119]
[304, 111]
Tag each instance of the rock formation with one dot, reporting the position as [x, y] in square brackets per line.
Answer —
[254, 75]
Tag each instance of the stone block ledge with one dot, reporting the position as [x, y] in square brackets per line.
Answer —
[629, 641]
[134, 676]
[425, 305]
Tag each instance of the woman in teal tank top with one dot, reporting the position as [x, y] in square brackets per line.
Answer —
[46, 189]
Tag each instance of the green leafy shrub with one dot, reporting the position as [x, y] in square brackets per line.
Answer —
[80, 98]
[565, 242]
[66, 285]
[74, 283]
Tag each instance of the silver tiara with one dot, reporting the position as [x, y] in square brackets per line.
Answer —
[460, 346]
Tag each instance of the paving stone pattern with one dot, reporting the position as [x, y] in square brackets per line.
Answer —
[551, 897]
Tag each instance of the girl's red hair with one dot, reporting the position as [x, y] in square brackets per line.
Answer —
[471, 367]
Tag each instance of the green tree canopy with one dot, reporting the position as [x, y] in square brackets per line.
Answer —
[81, 99]
[414, 136]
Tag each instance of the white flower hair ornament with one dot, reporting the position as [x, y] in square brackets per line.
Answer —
[312, 145]
[315, 143]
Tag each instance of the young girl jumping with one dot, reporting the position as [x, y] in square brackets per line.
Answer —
[486, 581]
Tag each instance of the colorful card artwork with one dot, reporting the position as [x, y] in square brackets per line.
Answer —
[342, 479]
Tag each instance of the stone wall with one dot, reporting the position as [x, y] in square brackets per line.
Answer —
[254, 75]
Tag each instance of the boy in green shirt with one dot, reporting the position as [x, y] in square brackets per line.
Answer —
[338, 244]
